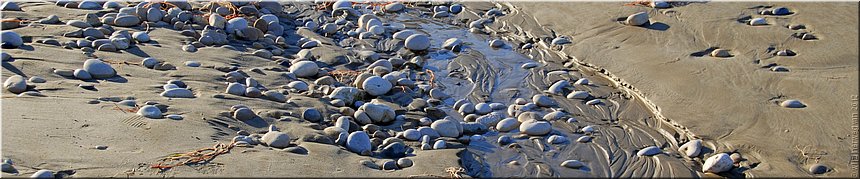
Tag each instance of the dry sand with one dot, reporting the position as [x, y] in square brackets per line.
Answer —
[730, 103]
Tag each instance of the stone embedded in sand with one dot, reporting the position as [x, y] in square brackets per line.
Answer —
[52, 19]
[447, 128]
[780, 11]
[189, 48]
[244, 114]
[505, 140]
[15, 84]
[556, 139]
[253, 92]
[99, 69]
[404, 163]
[455, 8]
[78, 23]
[583, 139]
[376, 86]
[578, 95]
[722, 53]
[141, 36]
[558, 87]
[792, 103]
[660, 4]
[37, 79]
[453, 44]
[263, 53]
[359, 142]
[560, 41]
[312, 115]
[393, 149]
[440, 144]
[429, 132]
[126, 20]
[149, 62]
[311, 25]
[236, 24]
[779, 69]
[236, 89]
[11, 39]
[90, 5]
[178, 93]
[572, 164]
[474, 128]
[637, 19]
[43, 174]
[403, 34]
[818, 169]
[496, 43]
[649, 151]
[718, 163]
[10, 6]
[298, 85]
[304, 69]
[417, 42]
[691, 148]
[785, 53]
[275, 96]
[758, 21]
[150, 111]
[174, 117]
[276, 139]
[543, 101]
[555, 115]
[536, 128]
[529, 65]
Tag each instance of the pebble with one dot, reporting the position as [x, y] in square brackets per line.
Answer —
[722, 53]
[692, 148]
[253, 92]
[78, 24]
[572, 164]
[389, 165]
[43, 174]
[583, 139]
[417, 42]
[649, 151]
[507, 124]
[310, 44]
[394, 7]
[378, 113]
[15, 84]
[243, 114]
[535, 128]
[297, 150]
[556, 139]
[781, 11]
[178, 93]
[404, 163]
[126, 20]
[758, 21]
[496, 43]
[594, 102]
[304, 69]
[376, 86]
[10, 6]
[37, 79]
[792, 103]
[192, 63]
[404, 34]
[578, 95]
[276, 139]
[447, 127]
[175, 116]
[90, 5]
[11, 39]
[660, 4]
[236, 24]
[141, 36]
[312, 115]
[582, 81]
[483, 108]
[558, 87]
[99, 69]
[150, 111]
[818, 168]
[440, 144]
[359, 142]
[637, 19]
[529, 65]
[543, 101]
[236, 89]
[6, 57]
[718, 163]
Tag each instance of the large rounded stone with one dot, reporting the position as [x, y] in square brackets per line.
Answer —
[15, 84]
[11, 39]
[126, 20]
[276, 139]
[535, 128]
[150, 111]
[447, 128]
[99, 69]
[304, 69]
[376, 86]
[417, 42]
[359, 142]
[637, 19]
[718, 163]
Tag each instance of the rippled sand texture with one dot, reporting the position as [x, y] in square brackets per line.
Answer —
[731, 101]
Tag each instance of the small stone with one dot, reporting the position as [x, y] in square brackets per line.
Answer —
[649, 151]
[175, 116]
[15, 84]
[275, 96]
[535, 128]
[496, 43]
[529, 65]
[556, 139]
[11, 39]
[792, 103]
[507, 124]
[52, 19]
[126, 21]
[243, 114]
[758, 21]
[722, 53]
[253, 92]
[141, 36]
[43, 174]
[818, 169]
[369, 164]
[298, 85]
[99, 69]
[150, 111]
[543, 101]
[440, 144]
[376, 86]
[692, 148]
[583, 139]
[359, 142]
[572, 164]
[236, 89]
[178, 93]
[304, 69]
[312, 115]
[78, 24]
[447, 128]
[412, 134]
[637, 19]
[781, 11]
[192, 63]
[417, 42]
[276, 139]
[578, 95]
[37, 79]
[718, 163]
[404, 163]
